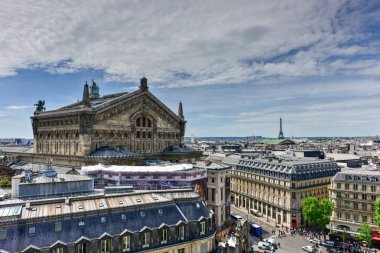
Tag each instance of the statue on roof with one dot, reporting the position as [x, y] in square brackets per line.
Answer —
[94, 90]
[40, 106]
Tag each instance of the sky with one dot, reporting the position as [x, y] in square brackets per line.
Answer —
[238, 66]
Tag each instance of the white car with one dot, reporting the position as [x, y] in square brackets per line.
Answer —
[308, 249]
[315, 241]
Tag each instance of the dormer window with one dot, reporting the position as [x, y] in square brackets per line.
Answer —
[164, 236]
[160, 212]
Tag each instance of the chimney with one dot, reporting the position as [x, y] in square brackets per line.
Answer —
[86, 96]
[67, 201]
[144, 84]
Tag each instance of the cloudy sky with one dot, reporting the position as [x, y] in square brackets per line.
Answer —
[238, 66]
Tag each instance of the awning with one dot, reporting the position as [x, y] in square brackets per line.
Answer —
[376, 238]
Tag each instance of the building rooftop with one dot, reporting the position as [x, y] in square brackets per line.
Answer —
[126, 168]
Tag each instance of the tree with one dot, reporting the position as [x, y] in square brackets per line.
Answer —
[5, 183]
[317, 212]
[365, 233]
[377, 212]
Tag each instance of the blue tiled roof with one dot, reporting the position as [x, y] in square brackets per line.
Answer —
[18, 239]
[110, 152]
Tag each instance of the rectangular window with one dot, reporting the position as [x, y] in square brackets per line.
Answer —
[356, 218]
[105, 246]
[202, 228]
[373, 188]
[364, 218]
[32, 230]
[338, 185]
[355, 187]
[356, 206]
[3, 234]
[126, 243]
[293, 195]
[355, 196]
[137, 134]
[123, 217]
[146, 239]
[213, 195]
[164, 236]
[348, 216]
[364, 196]
[346, 186]
[181, 233]
[103, 219]
[373, 197]
[58, 226]
[338, 194]
[339, 215]
[82, 248]
[58, 250]
[364, 206]
[364, 188]
[181, 250]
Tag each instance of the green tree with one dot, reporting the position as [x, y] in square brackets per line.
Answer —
[5, 183]
[377, 212]
[317, 212]
[365, 233]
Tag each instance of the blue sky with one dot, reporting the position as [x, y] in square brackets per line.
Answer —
[238, 66]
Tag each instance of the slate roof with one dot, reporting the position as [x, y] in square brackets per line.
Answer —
[183, 149]
[173, 212]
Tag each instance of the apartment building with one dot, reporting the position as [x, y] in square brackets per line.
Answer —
[274, 188]
[353, 191]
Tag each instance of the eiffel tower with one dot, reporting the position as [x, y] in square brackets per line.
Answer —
[281, 134]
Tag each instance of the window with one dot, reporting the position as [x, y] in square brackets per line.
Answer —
[373, 197]
[145, 239]
[202, 228]
[364, 206]
[355, 206]
[164, 236]
[355, 196]
[293, 195]
[58, 250]
[373, 188]
[82, 248]
[105, 246]
[160, 212]
[348, 216]
[213, 195]
[123, 217]
[364, 196]
[126, 243]
[346, 186]
[58, 226]
[181, 250]
[355, 187]
[142, 214]
[3, 234]
[364, 218]
[212, 180]
[181, 233]
[81, 223]
[32, 230]
[338, 194]
[339, 215]
[364, 188]
[356, 218]
[103, 219]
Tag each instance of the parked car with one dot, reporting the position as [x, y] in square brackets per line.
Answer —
[328, 244]
[315, 241]
[263, 245]
[308, 248]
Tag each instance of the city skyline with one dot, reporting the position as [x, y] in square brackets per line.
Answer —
[237, 67]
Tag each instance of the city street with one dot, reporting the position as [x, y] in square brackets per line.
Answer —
[291, 244]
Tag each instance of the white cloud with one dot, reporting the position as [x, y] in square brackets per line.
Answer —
[184, 43]
[18, 107]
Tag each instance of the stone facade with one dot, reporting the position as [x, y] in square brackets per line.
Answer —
[136, 122]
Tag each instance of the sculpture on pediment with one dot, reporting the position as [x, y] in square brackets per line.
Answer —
[40, 106]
